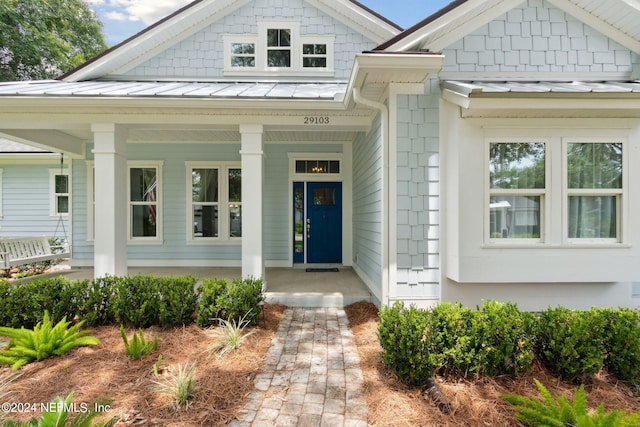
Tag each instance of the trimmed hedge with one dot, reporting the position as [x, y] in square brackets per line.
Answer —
[137, 301]
[225, 300]
[498, 339]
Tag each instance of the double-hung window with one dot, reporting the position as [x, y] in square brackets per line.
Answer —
[214, 201]
[517, 190]
[59, 191]
[145, 207]
[594, 190]
[559, 191]
[279, 48]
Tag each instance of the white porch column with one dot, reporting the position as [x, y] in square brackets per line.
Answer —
[252, 162]
[110, 183]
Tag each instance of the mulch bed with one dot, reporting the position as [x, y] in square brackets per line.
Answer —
[104, 373]
[474, 401]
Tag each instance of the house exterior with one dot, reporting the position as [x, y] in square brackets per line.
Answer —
[34, 192]
[485, 153]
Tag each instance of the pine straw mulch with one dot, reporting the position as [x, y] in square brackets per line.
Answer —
[104, 373]
[474, 402]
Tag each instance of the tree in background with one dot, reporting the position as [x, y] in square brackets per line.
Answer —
[41, 39]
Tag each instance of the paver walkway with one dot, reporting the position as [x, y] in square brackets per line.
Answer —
[311, 375]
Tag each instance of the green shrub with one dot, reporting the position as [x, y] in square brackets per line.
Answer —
[221, 299]
[558, 411]
[138, 346]
[43, 341]
[97, 300]
[136, 301]
[453, 348]
[622, 342]
[208, 310]
[178, 300]
[570, 343]
[25, 302]
[504, 339]
[406, 337]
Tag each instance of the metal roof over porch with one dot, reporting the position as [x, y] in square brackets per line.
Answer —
[135, 89]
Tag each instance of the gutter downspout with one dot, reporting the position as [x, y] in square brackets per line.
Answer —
[384, 130]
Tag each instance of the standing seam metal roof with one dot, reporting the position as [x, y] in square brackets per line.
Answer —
[249, 90]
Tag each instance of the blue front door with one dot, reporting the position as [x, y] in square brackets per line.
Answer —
[322, 225]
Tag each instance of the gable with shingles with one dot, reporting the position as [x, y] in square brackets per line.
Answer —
[538, 37]
[201, 55]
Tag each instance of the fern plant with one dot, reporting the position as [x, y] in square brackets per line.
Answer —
[230, 335]
[44, 340]
[57, 415]
[138, 346]
[559, 412]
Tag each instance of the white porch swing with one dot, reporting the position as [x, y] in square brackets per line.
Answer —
[18, 251]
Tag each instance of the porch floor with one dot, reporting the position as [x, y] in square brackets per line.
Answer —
[294, 287]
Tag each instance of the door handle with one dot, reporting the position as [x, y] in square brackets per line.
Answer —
[308, 228]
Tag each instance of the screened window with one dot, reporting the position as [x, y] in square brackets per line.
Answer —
[215, 202]
[143, 202]
[594, 177]
[517, 189]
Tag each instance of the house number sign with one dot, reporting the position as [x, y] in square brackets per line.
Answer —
[316, 120]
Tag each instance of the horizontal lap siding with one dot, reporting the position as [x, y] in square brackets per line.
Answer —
[25, 201]
[367, 204]
[175, 247]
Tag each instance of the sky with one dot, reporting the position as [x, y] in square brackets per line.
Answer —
[124, 18]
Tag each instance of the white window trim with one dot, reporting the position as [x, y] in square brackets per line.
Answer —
[541, 192]
[554, 221]
[158, 238]
[52, 192]
[620, 193]
[223, 202]
[260, 40]
[320, 177]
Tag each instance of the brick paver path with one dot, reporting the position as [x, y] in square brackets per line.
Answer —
[311, 375]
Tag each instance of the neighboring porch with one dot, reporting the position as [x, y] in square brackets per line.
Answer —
[294, 287]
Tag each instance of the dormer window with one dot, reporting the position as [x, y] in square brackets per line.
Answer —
[243, 55]
[278, 49]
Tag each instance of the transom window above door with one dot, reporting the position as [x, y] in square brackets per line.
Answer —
[278, 48]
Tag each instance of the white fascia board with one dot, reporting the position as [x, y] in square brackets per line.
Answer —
[548, 103]
[598, 24]
[400, 68]
[371, 26]
[158, 103]
[156, 39]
